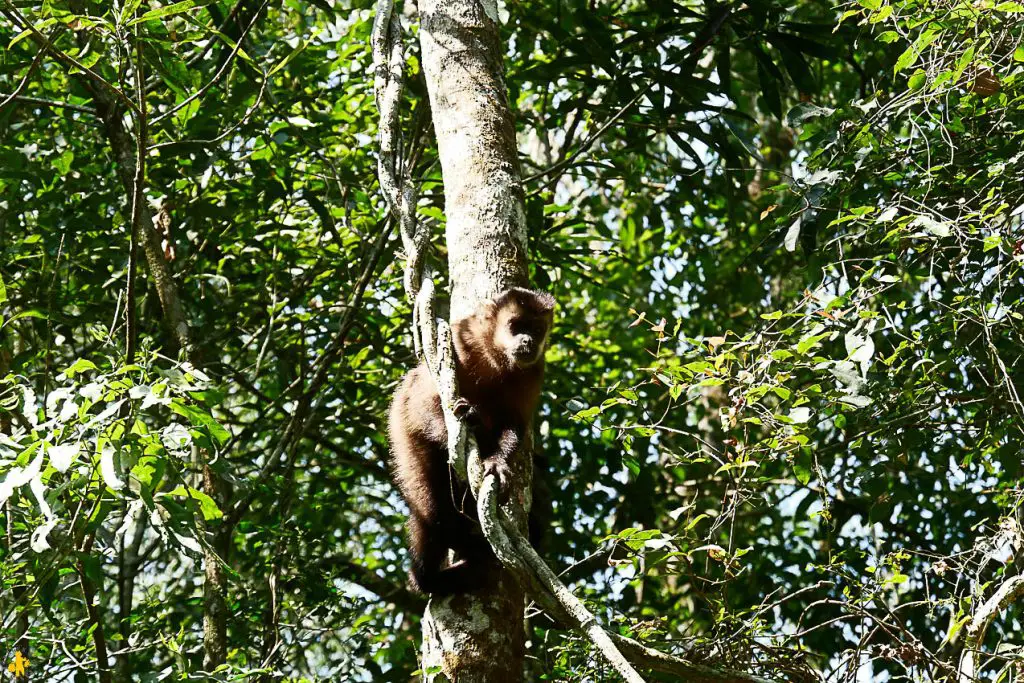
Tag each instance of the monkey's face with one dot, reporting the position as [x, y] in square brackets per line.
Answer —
[522, 327]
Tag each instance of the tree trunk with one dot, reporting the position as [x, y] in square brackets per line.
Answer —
[215, 586]
[476, 139]
[478, 637]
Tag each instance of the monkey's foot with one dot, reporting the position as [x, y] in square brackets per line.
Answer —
[502, 477]
[466, 411]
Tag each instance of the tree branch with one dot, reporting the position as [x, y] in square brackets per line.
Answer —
[14, 15]
[138, 194]
[53, 104]
[1009, 591]
[366, 578]
[217, 76]
[559, 601]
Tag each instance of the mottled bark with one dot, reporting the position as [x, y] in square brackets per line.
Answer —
[486, 232]
[478, 637]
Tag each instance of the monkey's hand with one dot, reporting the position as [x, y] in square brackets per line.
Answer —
[502, 477]
[466, 411]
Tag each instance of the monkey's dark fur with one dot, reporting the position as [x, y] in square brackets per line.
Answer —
[500, 365]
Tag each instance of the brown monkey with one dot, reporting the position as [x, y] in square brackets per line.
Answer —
[499, 362]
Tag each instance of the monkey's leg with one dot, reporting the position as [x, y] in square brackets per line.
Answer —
[429, 542]
[535, 528]
[428, 553]
[476, 566]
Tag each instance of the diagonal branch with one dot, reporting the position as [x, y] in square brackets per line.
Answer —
[365, 577]
[36, 61]
[19, 20]
[304, 414]
[515, 551]
[220, 72]
[1009, 591]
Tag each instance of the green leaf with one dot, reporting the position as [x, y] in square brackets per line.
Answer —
[881, 15]
[954, 628]
[63, 162]
[961, 64]
[3, 290]
[200, 418]
[908, 57]
[911, 54]
[802, 471]
[79, 366]
[809, 343]
[128, 10]
[31, 313]
[289, 57]
[846, 15]
[206, 503]
[169, 10]
[45, 23]
[766, 76]
[796, 66]
[696, 520]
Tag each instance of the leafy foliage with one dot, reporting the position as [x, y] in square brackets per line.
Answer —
[781, 430]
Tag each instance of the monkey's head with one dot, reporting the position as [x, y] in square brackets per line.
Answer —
[522, 319]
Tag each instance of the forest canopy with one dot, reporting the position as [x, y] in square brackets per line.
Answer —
[780, 431]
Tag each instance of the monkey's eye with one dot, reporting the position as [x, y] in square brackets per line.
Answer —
[518, 326]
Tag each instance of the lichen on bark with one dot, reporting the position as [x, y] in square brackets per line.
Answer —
[476, 637]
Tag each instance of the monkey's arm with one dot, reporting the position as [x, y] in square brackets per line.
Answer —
[509, 440]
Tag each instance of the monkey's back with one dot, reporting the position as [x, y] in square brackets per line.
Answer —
[419, 443]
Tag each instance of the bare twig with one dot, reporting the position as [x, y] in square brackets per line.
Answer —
[14, 15]
[53, 104]
[217, 76]
[138, 196]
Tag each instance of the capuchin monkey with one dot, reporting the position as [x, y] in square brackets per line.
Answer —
[499, 362]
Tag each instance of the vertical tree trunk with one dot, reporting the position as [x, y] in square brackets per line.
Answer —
[215, 586]
[476, 139]
[475, 638]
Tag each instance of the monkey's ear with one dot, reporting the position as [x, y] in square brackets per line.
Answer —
[503, 298]
[544, 301]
